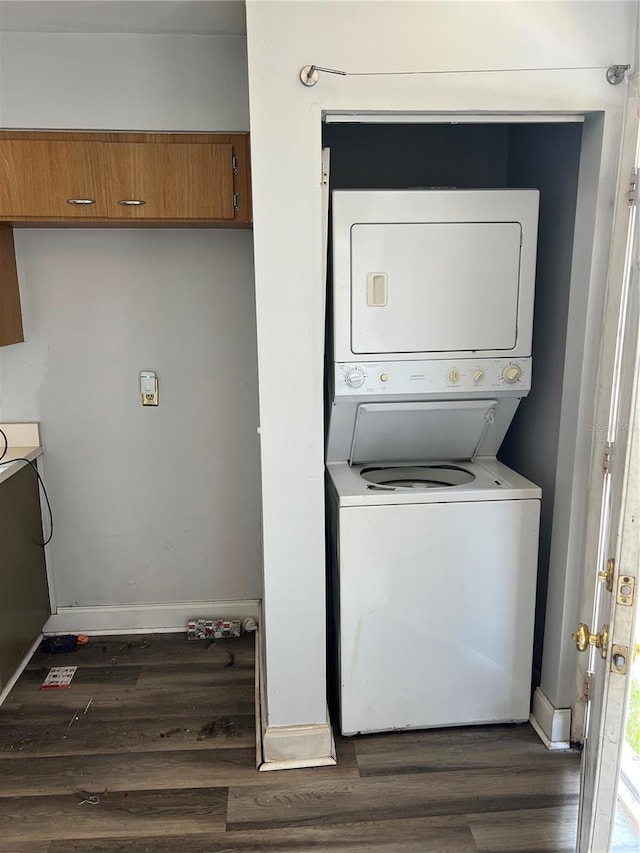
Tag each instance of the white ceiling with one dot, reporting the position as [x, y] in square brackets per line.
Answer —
[184, 17]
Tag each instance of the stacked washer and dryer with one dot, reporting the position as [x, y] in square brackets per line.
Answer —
[434, 542]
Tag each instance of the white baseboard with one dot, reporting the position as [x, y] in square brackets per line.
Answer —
[291, 747]
[21, 668]
[298, 763]
[144, 618]
[552, 725]
[258, 689]
[288, 747]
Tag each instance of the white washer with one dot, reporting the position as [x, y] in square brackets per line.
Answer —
[434, 593]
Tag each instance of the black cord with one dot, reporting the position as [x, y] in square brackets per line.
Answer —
[44, 491]
[6, 444]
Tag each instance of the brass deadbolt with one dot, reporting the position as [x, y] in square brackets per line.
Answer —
[584, 638]
[607, 575]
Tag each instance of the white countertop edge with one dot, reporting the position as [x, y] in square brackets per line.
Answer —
[10, 465]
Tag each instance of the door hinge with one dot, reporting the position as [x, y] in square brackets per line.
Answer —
[632, 187]
[234, 164]
[235, 202]
[606, 457]
[587, 682]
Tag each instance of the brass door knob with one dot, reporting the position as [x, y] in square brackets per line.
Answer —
[584, 638]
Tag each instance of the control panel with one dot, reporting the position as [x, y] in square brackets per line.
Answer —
[464, 376]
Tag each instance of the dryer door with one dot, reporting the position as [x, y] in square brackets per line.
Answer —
[435, 287]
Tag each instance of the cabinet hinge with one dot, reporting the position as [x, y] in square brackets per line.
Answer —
[632, 187]
[587, 682]
[234, 164]
[235, 202]
[606, 457]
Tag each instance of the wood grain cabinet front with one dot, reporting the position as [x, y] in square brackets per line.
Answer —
[24, 591]
[159, 178]
[156, 180]
[11, 331]
[45, 179]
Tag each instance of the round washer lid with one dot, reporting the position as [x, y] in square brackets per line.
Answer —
[416, 477]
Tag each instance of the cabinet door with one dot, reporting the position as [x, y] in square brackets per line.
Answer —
[24, 593]
[11, 331]
[174, 180]
[57, 179]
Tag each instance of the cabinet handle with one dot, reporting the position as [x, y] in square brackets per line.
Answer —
[131, 202]
[81, 201]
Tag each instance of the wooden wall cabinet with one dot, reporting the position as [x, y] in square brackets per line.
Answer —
[110, 179]
[161, 178]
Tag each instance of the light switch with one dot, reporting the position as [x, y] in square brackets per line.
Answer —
[148, 388]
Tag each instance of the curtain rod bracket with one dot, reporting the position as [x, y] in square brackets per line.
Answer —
[309, 74]
[615, 73]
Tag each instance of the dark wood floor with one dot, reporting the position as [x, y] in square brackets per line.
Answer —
[162, 731]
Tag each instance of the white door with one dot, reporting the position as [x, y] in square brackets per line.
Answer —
[614, 515]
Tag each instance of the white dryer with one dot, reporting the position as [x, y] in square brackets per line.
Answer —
[433, 542]
[433, 274]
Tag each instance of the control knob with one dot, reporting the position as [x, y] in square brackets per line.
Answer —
[511, 373]
[478, 373]
[354, 378]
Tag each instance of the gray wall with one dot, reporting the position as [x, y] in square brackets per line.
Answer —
[150, 505]
[104, 81]
[545, 157]
[395, 156]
